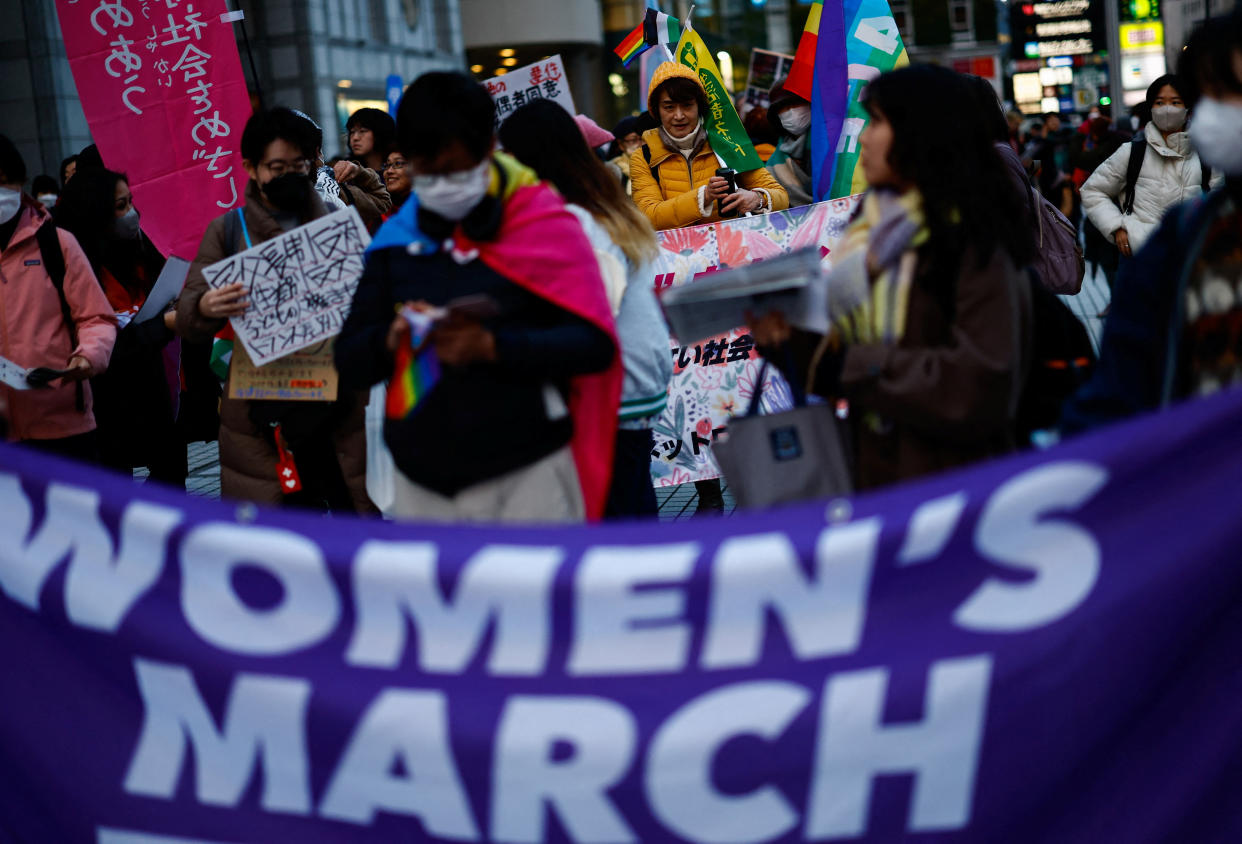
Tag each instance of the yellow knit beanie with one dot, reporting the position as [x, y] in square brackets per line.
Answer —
[665, 72]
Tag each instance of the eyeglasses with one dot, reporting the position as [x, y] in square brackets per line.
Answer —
[278, 167]
[395, 165]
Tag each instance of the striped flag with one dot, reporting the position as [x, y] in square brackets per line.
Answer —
[414, 374]
[802, 71]
[830, 96]
[416, 369]
[656, 28]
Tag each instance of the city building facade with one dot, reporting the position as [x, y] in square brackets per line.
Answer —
[324, 57]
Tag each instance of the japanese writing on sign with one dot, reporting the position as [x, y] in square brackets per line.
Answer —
[299, 285]
[543, 80]
[158, 44]
[162, 89]
[308, 375]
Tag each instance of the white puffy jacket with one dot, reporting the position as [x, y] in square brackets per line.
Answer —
[1171, 174]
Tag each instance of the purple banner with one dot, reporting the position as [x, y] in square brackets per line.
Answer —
[1043, 648]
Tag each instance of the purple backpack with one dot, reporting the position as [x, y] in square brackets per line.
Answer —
[1058, 258]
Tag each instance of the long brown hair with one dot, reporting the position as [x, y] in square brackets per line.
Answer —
[545, 138]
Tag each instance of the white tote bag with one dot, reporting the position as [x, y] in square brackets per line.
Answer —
[380, 467]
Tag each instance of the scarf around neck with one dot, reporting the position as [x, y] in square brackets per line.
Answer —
[689, 145]
[868, 307]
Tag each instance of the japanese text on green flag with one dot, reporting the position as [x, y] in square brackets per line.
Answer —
[724, 128]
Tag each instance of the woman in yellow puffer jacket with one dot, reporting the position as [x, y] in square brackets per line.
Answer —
[674, 172]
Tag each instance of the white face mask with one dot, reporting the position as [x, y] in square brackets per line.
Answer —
[455, 195]
[1216, 133]
[796, 120]
[10, 204]
[48, 199]
[127, 226]
[1168, 118]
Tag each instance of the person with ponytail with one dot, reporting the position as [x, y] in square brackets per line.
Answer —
[545, 138]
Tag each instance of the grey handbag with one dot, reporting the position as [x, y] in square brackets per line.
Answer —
[790, 456]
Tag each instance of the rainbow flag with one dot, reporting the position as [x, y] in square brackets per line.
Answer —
[632, 46]
[415, 371]
[802, 71]
[413, 376]
[656, 28]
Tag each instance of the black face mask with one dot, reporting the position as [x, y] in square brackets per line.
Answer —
[289, 192]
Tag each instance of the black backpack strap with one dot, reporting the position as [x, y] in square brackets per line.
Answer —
[1138, 150]
[54, 263]
[235, 230]
[232, 231]
[1207, 176]
[655, 174]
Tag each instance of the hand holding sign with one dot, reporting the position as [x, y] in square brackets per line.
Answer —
[292, 291]
[224, 302]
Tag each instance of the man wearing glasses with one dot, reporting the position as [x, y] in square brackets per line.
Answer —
[327, 438]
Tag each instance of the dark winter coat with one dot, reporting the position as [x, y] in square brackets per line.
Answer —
[247, 456]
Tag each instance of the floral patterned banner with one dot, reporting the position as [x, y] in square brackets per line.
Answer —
[714, 378]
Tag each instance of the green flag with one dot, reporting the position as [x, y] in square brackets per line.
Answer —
[724, 128]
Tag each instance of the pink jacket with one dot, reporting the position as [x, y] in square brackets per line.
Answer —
[33, 332]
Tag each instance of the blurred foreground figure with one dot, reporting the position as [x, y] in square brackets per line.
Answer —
[505, 382]
[931, 313]
[1175, 325]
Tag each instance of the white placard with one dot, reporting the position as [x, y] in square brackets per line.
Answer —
[544, 80]
[300, 284]
[13, 375]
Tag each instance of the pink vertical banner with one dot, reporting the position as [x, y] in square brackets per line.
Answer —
[162, 87]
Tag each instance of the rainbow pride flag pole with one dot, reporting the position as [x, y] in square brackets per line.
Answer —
[416, 368]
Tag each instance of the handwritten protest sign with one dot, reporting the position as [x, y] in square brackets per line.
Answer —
[299, 284]
[766, 69]
[543, 80]
[714, 377]
[162, 88]
[308, 375]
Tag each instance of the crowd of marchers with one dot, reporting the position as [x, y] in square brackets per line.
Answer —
[520, 260]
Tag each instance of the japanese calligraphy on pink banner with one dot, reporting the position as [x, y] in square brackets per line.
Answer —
[162, 88]
[714, 378]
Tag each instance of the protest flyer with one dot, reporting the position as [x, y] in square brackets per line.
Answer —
[300, 284]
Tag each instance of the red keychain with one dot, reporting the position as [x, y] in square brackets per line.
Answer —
[286, 469]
